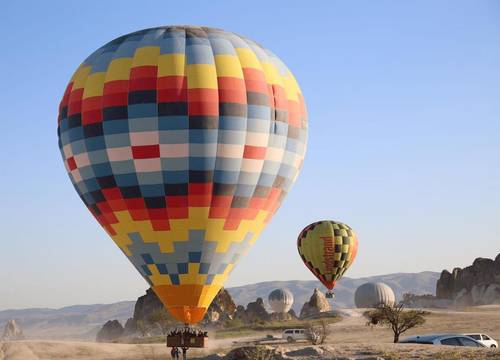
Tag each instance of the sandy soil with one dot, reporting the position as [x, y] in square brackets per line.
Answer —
[37, 350]
[477, 319]
[349, 339]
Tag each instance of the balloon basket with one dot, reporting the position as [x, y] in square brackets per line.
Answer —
[187, 338]
[329, 295]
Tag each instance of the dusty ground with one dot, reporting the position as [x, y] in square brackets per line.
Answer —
[477, 319]
[349, 339]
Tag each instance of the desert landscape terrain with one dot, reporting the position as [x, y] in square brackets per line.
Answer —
[349, 338]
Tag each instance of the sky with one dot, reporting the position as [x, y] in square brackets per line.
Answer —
[403, 100]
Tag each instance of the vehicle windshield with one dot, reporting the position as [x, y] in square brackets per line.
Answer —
[468, 342]
[451, 341]
[475, 336]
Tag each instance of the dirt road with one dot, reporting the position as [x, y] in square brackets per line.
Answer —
[349, 339]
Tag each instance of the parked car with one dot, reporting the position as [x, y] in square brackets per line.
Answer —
[292, 335]
[443, 339]
[483, 339]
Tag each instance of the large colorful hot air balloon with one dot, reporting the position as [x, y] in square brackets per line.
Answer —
[327, 248]
[182, 142]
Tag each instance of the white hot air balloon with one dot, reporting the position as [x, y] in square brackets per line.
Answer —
[371, 295]
[280, 300]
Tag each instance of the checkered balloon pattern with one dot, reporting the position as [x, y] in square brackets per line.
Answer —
[327, 248]
[182, 142]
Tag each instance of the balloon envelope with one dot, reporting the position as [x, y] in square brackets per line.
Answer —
[182, 142]
[370, 295]
[280, 300]
[327, 248]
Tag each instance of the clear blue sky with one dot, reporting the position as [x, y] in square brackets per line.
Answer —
[404, 106]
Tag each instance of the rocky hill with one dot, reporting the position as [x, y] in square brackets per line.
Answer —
[254, 311]
[12, 332]
[145, 306]
[82, 322]
[220, 310]
[112, 330]
[478, 284]
[317, 304]
[416, 283]
[79, 322]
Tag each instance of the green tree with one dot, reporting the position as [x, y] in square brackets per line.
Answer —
[396, 318]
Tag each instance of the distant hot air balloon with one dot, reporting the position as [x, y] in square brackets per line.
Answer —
[327, 248]
[373, 294]
[182, 142]
[280, 300]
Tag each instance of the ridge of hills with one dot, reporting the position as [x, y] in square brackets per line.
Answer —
[82, 322]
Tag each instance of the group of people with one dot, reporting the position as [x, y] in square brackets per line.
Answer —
[188, 331]
[185, 334]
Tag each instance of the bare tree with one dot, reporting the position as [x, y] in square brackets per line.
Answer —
[395, 317]
[318, 332]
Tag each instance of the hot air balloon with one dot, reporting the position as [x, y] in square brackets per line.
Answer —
[183, 141]
[327, 248]
[280, 300]
[373, 294]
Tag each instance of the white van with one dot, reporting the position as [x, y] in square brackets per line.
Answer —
[292, 335]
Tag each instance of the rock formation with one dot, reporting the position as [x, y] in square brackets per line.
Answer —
[425, 301]
[290, 315]
[316, 304]
[479, 295]
[255, 312]
[221, 309]
[12, 332]
[111, 330]
[253, 352]
[478, 284]
[240, 313]
[130, 327]
[147, 305]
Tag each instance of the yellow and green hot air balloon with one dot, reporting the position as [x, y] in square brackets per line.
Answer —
[327, 248]
[183, 141]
